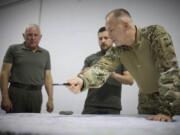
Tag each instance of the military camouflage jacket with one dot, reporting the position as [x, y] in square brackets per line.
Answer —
[151, 61]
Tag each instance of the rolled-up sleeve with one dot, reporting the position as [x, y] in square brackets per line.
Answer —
[97, 74]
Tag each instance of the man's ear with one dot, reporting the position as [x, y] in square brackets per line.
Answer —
[24, 36]
[125, 22]
[126, 25]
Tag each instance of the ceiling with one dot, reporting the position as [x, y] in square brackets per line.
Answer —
[4, 3]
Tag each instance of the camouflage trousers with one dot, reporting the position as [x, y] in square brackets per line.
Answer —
[149, 104]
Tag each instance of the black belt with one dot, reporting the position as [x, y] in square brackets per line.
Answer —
[25, 86]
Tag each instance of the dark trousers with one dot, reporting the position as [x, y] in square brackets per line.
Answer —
[100, 110]
[25, 101]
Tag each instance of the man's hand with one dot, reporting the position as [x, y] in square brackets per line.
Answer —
[75, 84]
[50, 106]
[6, 104]
[160, 117]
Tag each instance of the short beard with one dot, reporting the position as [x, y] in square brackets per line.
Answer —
[103, 51]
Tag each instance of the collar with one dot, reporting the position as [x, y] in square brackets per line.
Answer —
[137, 37]
[102, 53]
[39, 49]
[136, 42]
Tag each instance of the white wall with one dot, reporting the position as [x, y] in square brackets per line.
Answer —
[70, 34]
[13, 20]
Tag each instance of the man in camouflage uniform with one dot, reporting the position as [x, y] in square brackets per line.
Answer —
[149, 56]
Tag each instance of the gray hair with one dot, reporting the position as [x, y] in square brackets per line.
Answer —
[33, 26]
[119, 13]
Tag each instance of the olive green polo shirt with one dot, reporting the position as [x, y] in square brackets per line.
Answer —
[109, 95]
[28, 67]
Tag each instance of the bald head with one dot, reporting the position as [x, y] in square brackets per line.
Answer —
[120, 26]
[118, 13]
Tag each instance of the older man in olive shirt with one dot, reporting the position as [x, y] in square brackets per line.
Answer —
[27, 67]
